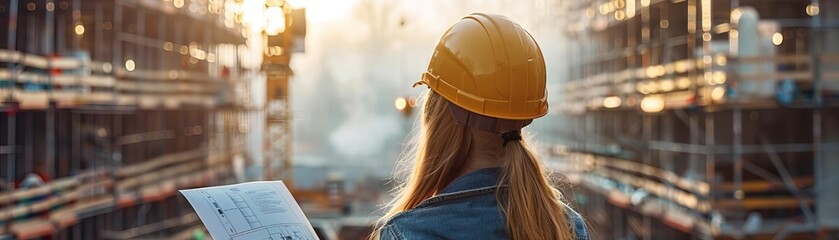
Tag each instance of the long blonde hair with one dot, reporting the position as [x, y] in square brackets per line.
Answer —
[533, 208]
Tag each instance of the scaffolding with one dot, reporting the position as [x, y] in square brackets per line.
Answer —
[703, 118]
[110, 106]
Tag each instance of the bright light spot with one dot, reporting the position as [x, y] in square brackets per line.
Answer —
[706, 37]
[652, 87]
[723, 27]
[102, 132]
[736, 13]
[681, 66]
[718, 93]
[721, 60]
[254, 14]
[706, 16]
[178, 3]
[106, 67]
[645, 3]
[400, 103]
[79, 29]
[590, 12]
[129, 65]
[719, 77]
[193, 7]
[296, 4]
[275, 21]
[620, 15]
[319, 11]
[666, 85]
[812, 9]
[641, 87]
[50, 6]
[664, 23]
[412, 101]
[706, 60]
[777, 39]
[739, 194]
[652, 104]
[683, 83]
[709, 78]
[619, 4]
[604, 9]
[168, 46]
[612, 102]
[733, 34]
[652, 71]
[274, 51]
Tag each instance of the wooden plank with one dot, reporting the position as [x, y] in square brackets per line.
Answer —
[788, 59]
[699, 187]
[762, 203]
[157, 162]
[678, 196]
[158, 175]
[830, 75]
[804, 76]
[764, 185]
[32, 229]
[830, 58]
[53, 186]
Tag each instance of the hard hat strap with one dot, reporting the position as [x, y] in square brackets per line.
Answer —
[484, 123]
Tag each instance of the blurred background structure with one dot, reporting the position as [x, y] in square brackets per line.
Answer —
[670, 119]
[703, 118]
[109, 107]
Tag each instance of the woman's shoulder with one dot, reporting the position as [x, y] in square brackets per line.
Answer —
[580, 230]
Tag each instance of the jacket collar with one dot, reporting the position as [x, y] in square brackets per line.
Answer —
[481, 178]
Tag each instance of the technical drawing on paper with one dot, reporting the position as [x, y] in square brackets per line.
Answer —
[259, 210]
[280, 232]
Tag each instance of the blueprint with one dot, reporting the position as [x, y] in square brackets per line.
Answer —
[254, 210]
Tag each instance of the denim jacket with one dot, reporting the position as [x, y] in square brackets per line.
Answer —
[466, 209]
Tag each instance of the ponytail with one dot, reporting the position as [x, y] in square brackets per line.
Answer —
[532, 206]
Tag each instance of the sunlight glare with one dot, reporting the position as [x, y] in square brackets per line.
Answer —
[324, 10]
[297, 4]
[275, 22]
[253, 14]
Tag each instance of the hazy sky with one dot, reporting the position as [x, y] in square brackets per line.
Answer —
[363, 54]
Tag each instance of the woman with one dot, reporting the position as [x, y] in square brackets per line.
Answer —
[471, 176]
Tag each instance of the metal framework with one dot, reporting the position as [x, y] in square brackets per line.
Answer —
[703, 118]
[114, 105]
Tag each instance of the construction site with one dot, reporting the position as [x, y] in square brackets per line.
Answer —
[703, 119]
[669, 119]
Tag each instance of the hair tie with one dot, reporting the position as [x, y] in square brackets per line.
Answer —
[514, 135]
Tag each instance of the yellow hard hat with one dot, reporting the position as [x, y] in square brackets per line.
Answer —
[489, 65]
